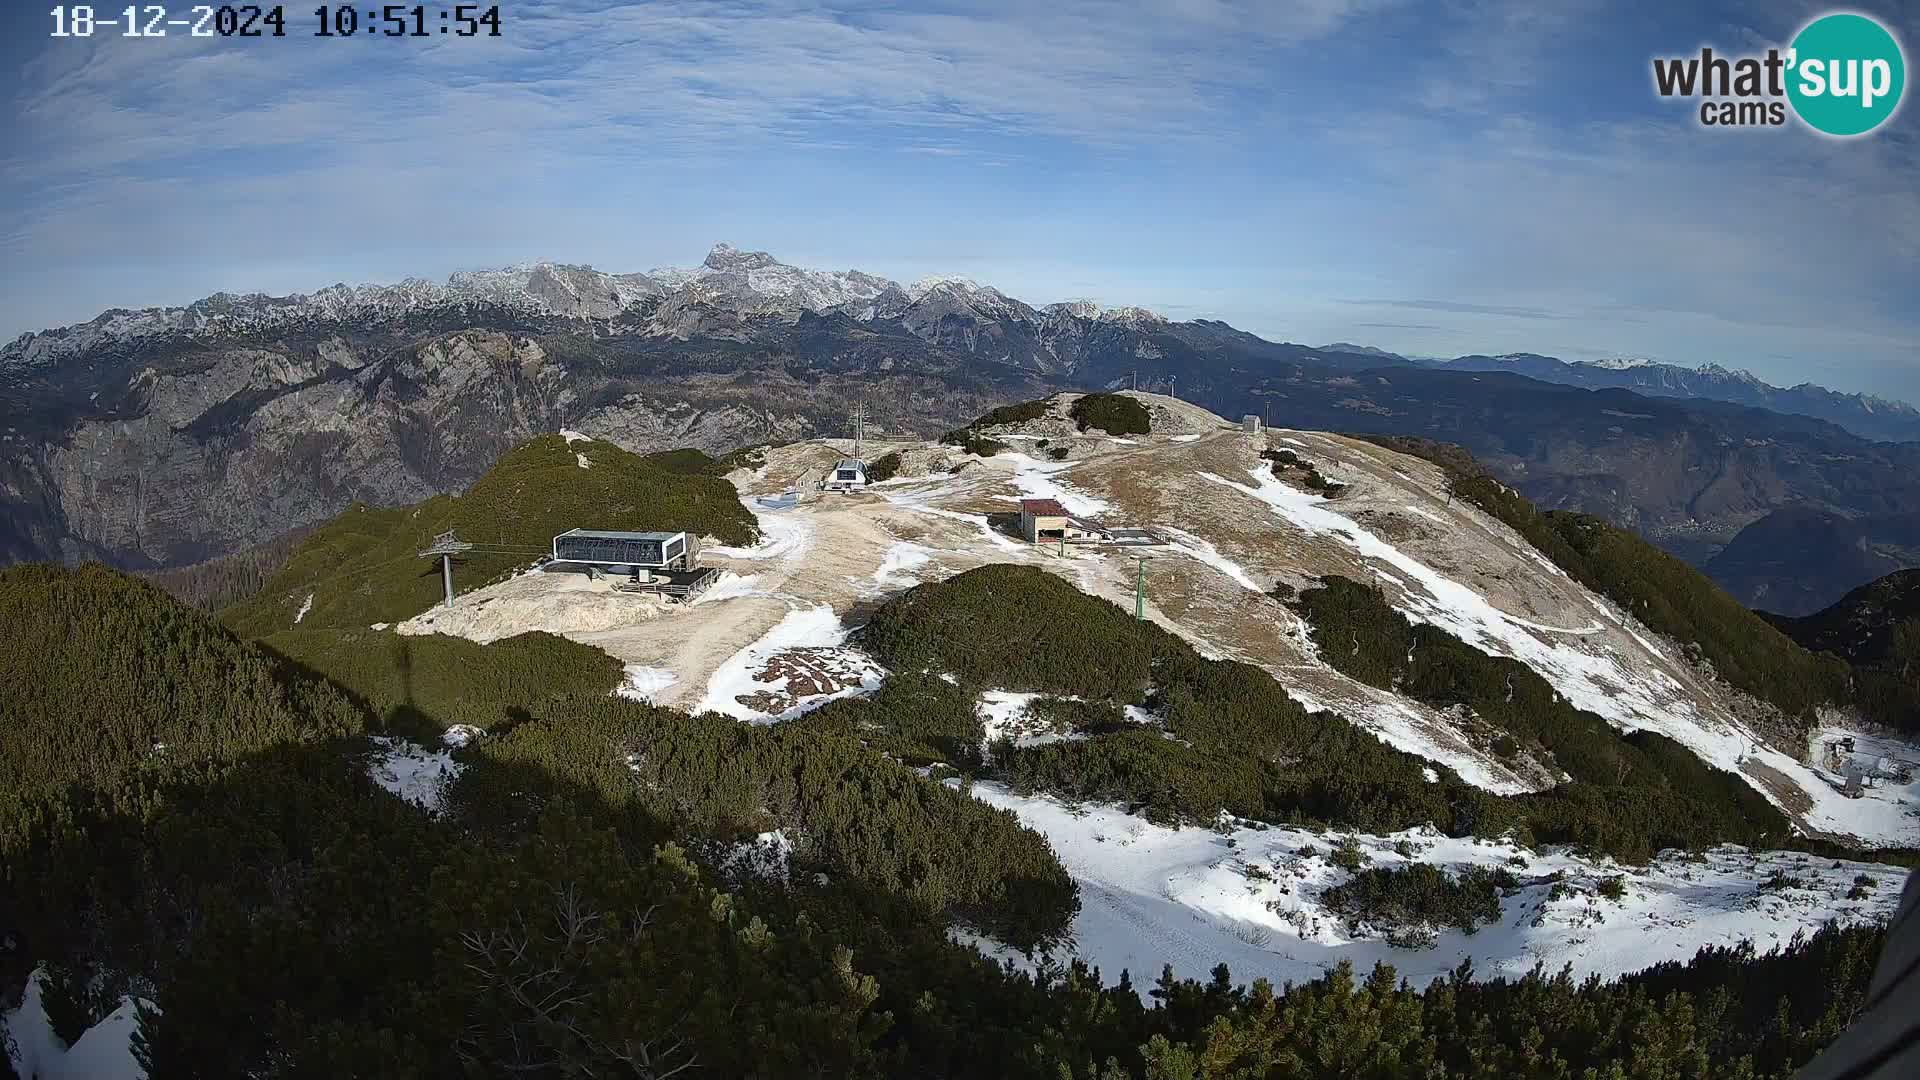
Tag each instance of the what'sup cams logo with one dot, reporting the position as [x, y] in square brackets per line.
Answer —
[1843, 75]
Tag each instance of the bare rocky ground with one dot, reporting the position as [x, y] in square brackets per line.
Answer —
[1227, 548]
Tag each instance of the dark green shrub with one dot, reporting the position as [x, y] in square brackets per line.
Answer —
[972, 442]
[883, 468]
[1398, 897]
[1115, 414]
[1012, 414]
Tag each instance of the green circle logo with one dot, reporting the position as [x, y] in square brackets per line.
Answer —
[1846, 74]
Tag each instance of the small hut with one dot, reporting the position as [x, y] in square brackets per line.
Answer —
[849, 474]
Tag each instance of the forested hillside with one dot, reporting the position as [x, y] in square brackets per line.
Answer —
[576, 906]
[1227, 737]
[362, 567]
[1670, 597]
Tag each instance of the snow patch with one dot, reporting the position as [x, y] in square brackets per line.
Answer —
[1004, 715]
[768, 856]
[1203, 551]
[460, 735]
[1037, 480]
[782, 536]
[1183, 438]
[817, 631]
[728, 586]
[644, 683]
[1599, 684]
[582, 459]
[305, 606]
[1252, 898]
[411, 771]
[1398, 724]
[103, 1052]
[901, 558]
[574, 436]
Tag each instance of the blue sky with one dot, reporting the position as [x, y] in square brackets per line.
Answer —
[1432, 176]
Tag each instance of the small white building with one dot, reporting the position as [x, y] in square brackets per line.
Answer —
[1251, 424]
[850, 474]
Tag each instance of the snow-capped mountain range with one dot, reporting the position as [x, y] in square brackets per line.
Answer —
[682, 302]
[659, 301]
[1866, 415]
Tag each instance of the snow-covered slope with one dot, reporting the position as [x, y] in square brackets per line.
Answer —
[770, 642]
[1253, 899]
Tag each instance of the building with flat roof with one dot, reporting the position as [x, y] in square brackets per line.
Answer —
[1045, 520]
[640, 550]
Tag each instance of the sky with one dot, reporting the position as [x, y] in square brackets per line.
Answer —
[1434, 177]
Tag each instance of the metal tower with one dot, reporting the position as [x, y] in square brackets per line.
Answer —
[446, 547]
[859, 429]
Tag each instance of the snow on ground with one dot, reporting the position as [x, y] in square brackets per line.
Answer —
[305, 606]
[1203, 550]
[413, 772]
[582, 459]
[1038, 480]
[103, 1052]
[1884, 757]
[1625, 625]
[727, 586]
[797, 666]
[768, 856]
[979, 521]
[1183, 438]
[574, 436]
[1401, 726]
[1252, 899]
[460, 735]
[1003, 715]
[1629, 694]
[1632, 697]
[902, 557]
[782, 536]
[644, 683]
[1420, 510]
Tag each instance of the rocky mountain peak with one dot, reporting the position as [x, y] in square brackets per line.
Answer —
[1132, 316]
[729, 259]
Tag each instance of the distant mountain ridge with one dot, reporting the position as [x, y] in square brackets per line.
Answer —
[167, 436]
[664, 302]
[1866, 415]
